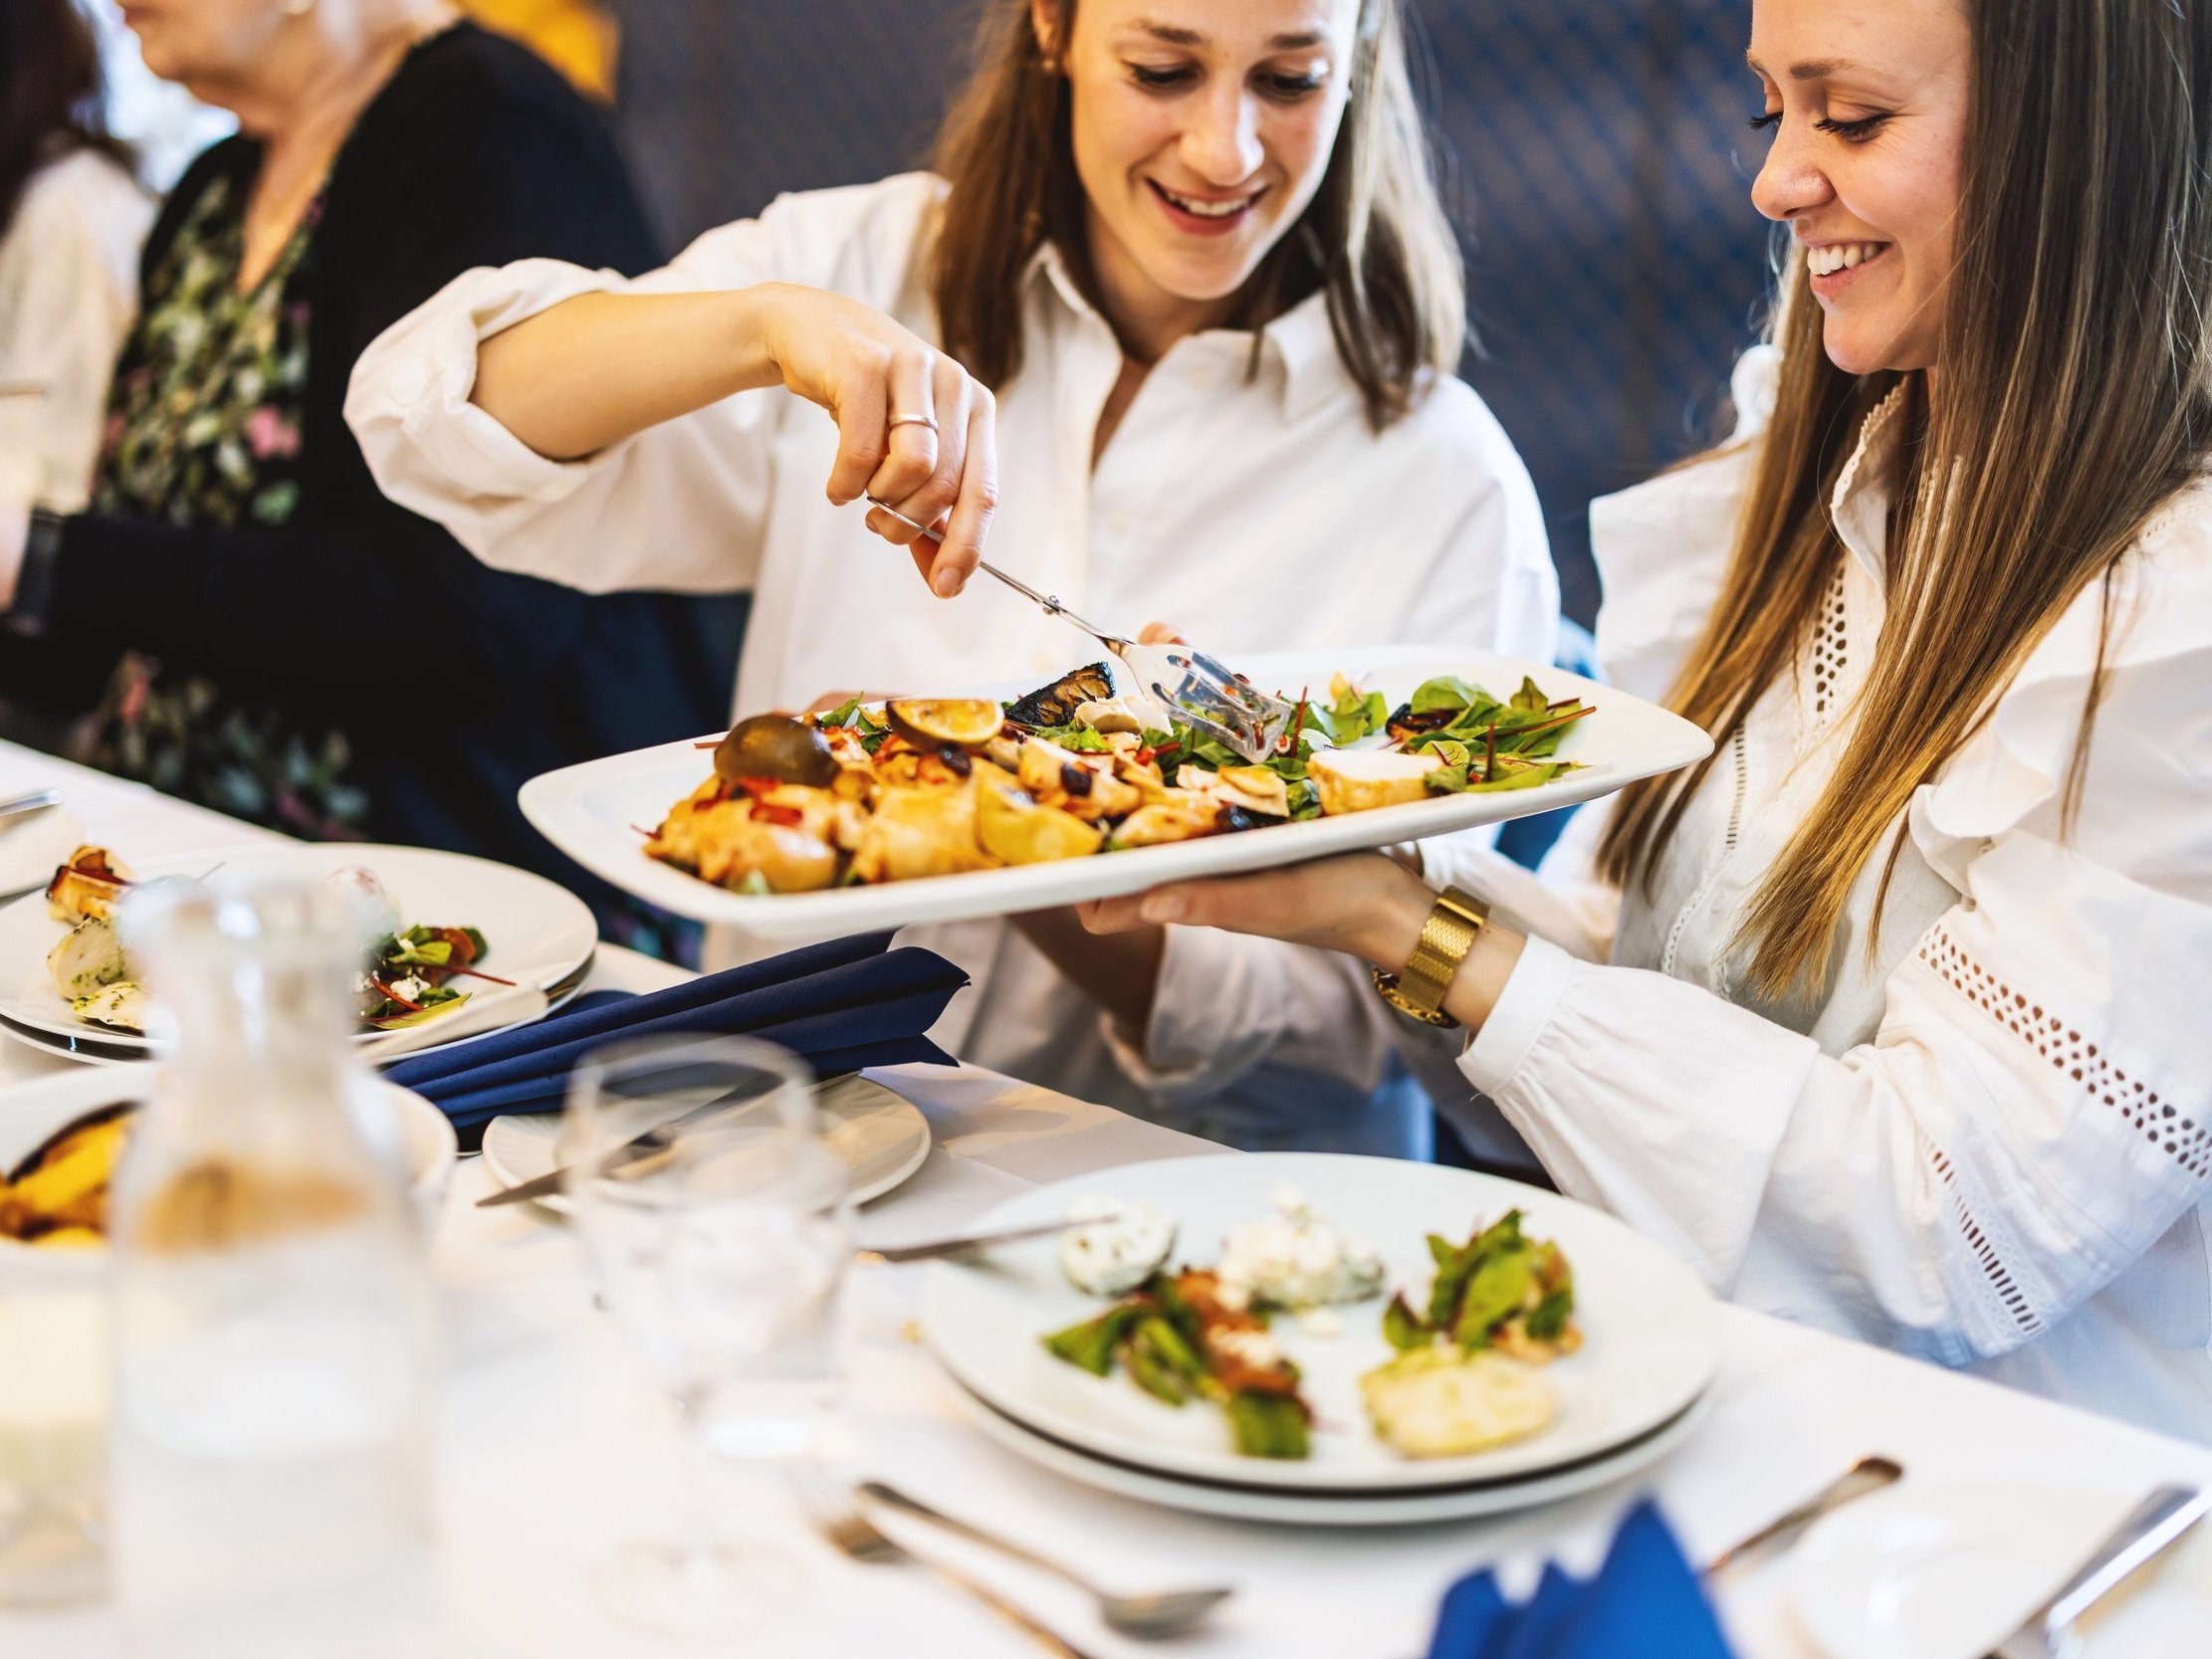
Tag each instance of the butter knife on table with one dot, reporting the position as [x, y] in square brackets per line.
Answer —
[26, 806]
[2157, 1524]
[651, 1143]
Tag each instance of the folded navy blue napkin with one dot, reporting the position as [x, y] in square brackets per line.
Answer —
[839, 1007]
[1645, 1602]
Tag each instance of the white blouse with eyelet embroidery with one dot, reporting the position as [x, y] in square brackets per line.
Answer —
[1989, 1143]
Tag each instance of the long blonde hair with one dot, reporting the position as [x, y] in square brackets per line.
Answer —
[2075, 399]
[1376, 236]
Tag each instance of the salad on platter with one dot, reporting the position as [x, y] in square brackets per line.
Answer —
[405, 976]
[932, 787]
[1469, 1355]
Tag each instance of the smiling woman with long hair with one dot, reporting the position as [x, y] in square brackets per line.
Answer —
[1176, 318]
[1890, 1015]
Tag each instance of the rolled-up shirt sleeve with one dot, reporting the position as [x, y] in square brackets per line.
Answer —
[680, 507]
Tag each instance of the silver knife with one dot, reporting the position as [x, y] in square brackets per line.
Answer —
[892, 1255]
[2158, 1522]
[23, 806]
[651, 1143]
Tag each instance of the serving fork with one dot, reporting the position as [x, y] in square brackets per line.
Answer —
[1205, 692]
[838, 1519]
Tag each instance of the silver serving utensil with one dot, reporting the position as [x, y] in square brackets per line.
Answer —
[1204, 692]
[1868, 1474]
[2157, 1524]
[839, 1521]
[962, 1244]
[1146, 1617]
[26, 805]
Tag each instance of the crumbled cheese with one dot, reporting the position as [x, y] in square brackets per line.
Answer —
[1254, 1348]
[1296, 1261]
[1119, 1248]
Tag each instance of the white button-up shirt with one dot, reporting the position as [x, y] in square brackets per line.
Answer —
[1991, 1146]
[1243, 497]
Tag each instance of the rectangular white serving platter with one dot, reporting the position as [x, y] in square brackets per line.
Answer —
[593, 812]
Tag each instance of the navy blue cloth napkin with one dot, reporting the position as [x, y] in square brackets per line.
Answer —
[839, 1007]
[1645, 1602]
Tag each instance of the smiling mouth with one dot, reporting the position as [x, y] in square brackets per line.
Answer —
[1841, 255]
[1199, 208]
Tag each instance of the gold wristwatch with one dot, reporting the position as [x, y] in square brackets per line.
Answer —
[1454, 922]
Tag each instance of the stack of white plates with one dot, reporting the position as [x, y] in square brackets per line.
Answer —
[1628, 1396]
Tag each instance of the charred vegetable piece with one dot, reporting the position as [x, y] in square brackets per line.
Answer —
[1056, 704]
[778, 748]
[928, 721]
[1091, 1344]
[1269, 1424]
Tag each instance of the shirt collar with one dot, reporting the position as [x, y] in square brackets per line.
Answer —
[1299, 345]
[1859, 506]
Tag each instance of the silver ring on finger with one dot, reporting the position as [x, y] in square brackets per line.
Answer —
[886, 507]
[898, 421]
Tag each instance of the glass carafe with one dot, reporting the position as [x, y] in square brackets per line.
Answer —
[274, 1363]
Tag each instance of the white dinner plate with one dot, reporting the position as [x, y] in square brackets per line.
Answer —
[1334, 1508]
[1650, 1334]
[594, 812]
[1946, 1570]
[416, 1135]
[882, 1138]
[534, 930]
[31, 847]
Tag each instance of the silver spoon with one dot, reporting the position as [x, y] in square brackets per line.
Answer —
[1146, 1617]
[1868, 1474]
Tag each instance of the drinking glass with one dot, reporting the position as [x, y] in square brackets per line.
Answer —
[715, 1219]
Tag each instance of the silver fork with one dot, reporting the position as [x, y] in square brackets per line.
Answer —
[839, 1521]
[1207, 694]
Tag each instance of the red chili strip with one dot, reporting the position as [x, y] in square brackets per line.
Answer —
[412, 1007]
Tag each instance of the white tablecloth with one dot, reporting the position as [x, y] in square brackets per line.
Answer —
[556, 1445]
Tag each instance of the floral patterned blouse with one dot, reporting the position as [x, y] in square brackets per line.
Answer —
[203, 428]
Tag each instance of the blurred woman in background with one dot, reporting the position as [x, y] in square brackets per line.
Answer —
[72, 217]
[1194, 256]
[295, 649]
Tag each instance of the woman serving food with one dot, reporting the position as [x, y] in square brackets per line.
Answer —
[1889, 1016]
[1192, 256]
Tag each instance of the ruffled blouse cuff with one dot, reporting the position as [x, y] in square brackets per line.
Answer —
[1524, 1008]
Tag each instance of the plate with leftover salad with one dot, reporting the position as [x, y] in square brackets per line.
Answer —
[445, 929]
[941, 807]
[1318, 1322]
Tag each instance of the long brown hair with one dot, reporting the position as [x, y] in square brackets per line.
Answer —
[1376, 236]
[2075, 399]
[52, 93]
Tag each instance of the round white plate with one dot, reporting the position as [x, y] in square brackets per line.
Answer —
[1315, 1509]
[882, 1138]
[1650, 1333]
[534, 930]
[417, 1135]
[30, 848]
[1936, 1570]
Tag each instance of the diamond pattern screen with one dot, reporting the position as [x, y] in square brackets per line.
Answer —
[1596, 152]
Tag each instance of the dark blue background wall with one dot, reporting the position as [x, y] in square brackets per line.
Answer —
[1599, 157]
